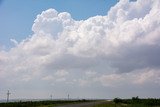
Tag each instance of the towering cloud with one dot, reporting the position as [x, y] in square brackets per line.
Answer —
[120, 48]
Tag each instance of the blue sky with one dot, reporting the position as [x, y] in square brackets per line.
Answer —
[17, 16]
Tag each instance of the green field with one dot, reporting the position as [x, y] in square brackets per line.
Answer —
[41, 103]
[134, 102]
[112, 104]
[117, 102]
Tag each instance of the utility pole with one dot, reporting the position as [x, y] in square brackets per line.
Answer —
[51, 96]
[8, 93]
[68, 96]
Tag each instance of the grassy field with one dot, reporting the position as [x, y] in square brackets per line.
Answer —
[134, 102]
[41, 103]
[112, 104]
[117, 102]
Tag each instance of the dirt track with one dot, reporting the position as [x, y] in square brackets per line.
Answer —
[87, 104]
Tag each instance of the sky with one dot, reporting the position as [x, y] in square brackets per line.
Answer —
[88, 49]
[18, 16]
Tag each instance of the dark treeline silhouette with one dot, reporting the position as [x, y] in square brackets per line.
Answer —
[137, 101]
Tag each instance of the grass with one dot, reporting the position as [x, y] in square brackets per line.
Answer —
[105, 104]
[41, 103]
[112, 104]
[117, 102]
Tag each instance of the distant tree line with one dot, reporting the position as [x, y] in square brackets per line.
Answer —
[136, 100]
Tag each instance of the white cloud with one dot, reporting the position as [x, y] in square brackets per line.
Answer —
[147, 76]
[14, 41]
[61, 79]
[106, 49]
[26, 78]
[138, 77]
[61, 73]
[89, 78]
[111, 80]
[49, 77]
[50, 22]
[58, 76]
[90, 73]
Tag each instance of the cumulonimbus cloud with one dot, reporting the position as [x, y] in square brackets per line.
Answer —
[127, 39]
